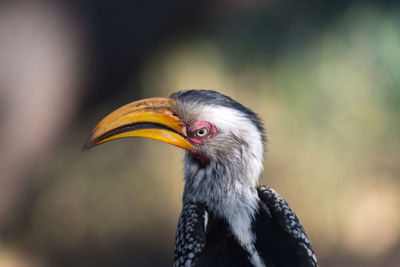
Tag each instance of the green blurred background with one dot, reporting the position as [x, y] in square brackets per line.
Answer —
[323, 76]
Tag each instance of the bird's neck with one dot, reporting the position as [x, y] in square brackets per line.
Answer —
[227, 189]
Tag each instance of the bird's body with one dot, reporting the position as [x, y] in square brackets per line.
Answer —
[205, 239]
[227, 218]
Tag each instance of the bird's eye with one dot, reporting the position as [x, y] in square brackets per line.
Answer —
[201, 132]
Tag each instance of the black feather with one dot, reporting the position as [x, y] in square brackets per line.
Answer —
[280, 237]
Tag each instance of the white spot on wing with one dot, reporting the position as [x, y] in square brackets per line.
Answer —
[205, 220]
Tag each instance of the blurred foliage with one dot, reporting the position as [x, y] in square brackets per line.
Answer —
[331, 106]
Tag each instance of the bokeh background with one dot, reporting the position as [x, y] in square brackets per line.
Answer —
[323, 75]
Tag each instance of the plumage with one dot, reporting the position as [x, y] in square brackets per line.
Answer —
[281, 240]
[227, 219]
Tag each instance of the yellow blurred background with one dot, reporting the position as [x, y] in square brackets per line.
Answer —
[324, 77]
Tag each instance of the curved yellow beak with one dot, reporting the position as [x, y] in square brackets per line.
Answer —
[151, 118]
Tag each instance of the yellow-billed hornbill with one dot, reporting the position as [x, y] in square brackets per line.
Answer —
[227, 218]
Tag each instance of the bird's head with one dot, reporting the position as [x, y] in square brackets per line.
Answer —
[219, 134]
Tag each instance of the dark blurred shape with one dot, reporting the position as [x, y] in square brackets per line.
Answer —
[123, 34]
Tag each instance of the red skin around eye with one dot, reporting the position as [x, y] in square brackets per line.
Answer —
[191, 129]
[199, 125]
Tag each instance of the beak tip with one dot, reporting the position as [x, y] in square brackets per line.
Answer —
[84, 148]
[88, 145]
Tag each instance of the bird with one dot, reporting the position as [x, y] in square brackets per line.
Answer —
[227, 218]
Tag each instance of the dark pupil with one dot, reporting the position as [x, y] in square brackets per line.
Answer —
[201, 132]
